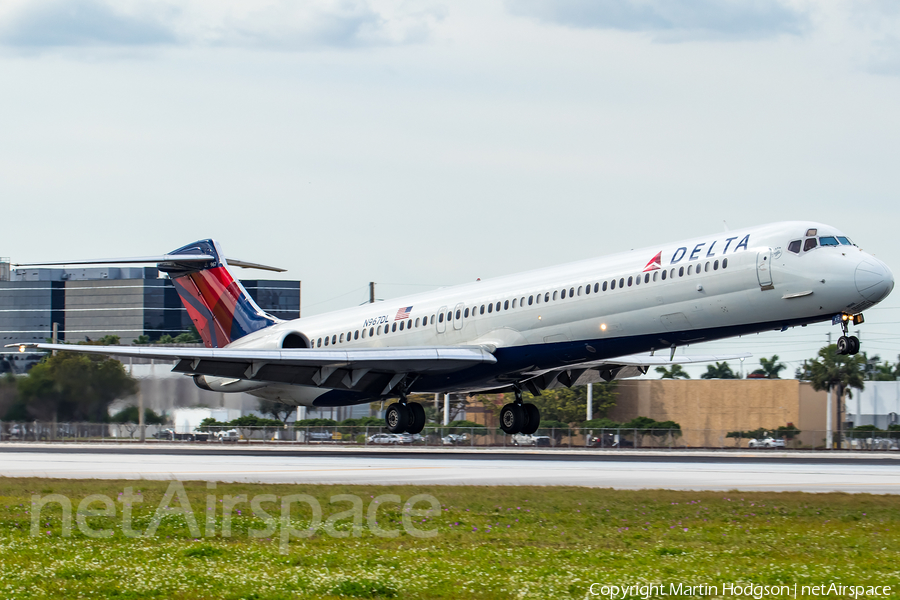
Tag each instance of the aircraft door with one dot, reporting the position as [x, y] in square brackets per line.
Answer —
[764, 269]
[458, 313]
[441, 322]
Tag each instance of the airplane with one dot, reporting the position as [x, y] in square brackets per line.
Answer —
[595, 320]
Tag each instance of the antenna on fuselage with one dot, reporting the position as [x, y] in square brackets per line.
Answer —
[725, 223]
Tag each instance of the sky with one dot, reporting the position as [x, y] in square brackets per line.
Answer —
[424, 144]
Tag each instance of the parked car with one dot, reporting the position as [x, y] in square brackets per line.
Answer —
[229, 435]
[525, 439]
[171, 435]
[765, 443]
[454, 439]
[386, 439]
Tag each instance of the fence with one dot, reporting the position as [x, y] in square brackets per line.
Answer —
[447, 437]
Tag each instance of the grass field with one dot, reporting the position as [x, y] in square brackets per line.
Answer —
[488, 542]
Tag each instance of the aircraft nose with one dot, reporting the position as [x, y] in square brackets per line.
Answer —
[874, 280]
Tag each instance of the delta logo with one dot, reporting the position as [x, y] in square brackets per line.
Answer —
[697, 253]
[655, 263]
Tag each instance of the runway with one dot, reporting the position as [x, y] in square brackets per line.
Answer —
[634, 470]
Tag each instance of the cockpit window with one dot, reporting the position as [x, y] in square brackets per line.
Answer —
[809, 245]
[794, 246]
[811, 232]
[844, 241]
[827, 240]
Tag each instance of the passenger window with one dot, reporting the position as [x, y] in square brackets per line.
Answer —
[587, 289]
[409, 324]
[715, 265]
[664, 275]
[401, 325]
[458, 313]
[655, 273]
[326, 341]
[482, 309]
[432, 319]
[466, 314]
[555, 295]
[621, 282]
[539, 296]
[356, 334]
[342, 338]
[529, 300]
[681, 271]
[795, 246]
[547, 297]
[827, 240]
[647, 278]
[505, 305]
[491, 307]
[371, 331]
[563, 295]
[378, 331]
[333, 340]
[521, 302]
[394, 327]
[605, 286]
[571, 292]
[629, 281]
[319, 345]
[844, 242]
[809, 244]
[612, 284]
[724, 263]
[417, 321]
[449, 316]
[597, 286]
[441, 318]
[497, 308]
[690, 267]
[637, 280]
[514, 302]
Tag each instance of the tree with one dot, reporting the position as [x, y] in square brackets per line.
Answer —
[720, 371]
[74, 387]
[275, 409]
[130, 414]
[880, 371]
[838, 372]
[770, 367]
[9, 398]
[676, 372]
[141, 340]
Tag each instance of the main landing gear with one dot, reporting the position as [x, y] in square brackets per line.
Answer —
[848, 344]
[518, 417]
[405, 417]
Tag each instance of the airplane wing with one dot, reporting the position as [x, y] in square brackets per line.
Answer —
[375, 370]
[620, 367]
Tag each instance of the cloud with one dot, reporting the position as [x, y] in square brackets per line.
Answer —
[79, 23]
[272, 24]
[671, 20]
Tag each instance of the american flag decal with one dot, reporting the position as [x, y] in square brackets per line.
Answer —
[403, 313]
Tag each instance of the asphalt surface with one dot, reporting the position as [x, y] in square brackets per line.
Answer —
[681, 470]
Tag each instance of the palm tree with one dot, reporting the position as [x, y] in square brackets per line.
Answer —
[770, 367]
[676, 372]
[837, 372]
[720, 371]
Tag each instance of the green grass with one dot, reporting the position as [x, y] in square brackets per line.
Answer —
[491, 542]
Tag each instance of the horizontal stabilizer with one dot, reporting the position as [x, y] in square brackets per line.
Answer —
[165, 258]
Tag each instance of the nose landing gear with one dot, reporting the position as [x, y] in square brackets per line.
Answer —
[848, 345]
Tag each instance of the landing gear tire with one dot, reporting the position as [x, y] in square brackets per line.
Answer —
[843, 345]
[416, 418]
[397, 418]
[854, 345]
[532, 418]
[512, 418]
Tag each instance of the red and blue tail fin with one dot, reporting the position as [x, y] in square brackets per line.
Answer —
[217, 303]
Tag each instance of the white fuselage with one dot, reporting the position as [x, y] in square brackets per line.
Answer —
[707, 288]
